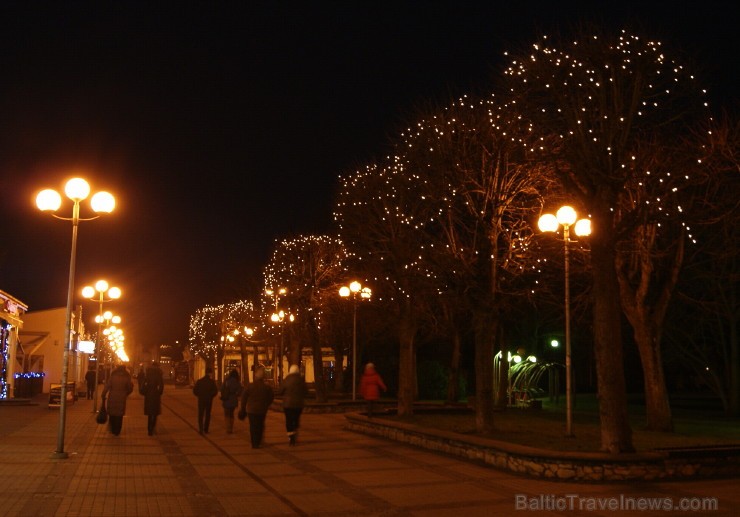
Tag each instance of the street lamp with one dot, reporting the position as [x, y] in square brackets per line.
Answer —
[355, 290]
[115, 342]
[76, 189]
[566, 217]
[98, 293]
[281, 317]
[276, 317]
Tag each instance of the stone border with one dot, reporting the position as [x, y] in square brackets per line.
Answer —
[665, 464]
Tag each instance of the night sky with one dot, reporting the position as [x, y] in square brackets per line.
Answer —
[222, 126]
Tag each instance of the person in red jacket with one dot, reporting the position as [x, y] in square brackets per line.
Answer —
[370, 386]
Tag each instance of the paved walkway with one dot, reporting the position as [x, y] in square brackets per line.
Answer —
[332, 472]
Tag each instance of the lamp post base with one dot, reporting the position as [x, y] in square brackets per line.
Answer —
[56, 455]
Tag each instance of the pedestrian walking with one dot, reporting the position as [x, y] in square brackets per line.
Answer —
[230, 392]
[90, 378]
[256, 400]
[152, 389]
[205, 389]
[293, 390]
[371, 385]
[140, 377]
[117, 389]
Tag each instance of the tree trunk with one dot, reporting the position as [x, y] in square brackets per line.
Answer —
[733, 403]
[406, 376]
[484, 331]
[318, 361]
[616, 434]
[645, 297]
[339, 368]
[244, 353]
[294, 351]
[453, 378]
[220, 363]
[657, 404]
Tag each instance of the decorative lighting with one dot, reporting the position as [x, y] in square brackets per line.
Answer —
[101, 293]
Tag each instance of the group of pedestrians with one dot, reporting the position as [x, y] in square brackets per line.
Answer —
[120, 385]
[253, 400]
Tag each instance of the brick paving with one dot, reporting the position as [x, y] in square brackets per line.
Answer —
[332, 472]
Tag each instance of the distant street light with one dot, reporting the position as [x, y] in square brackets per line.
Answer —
[98, 293]
[276, 293]
[355, 290]
[566, 217]
[281, 317]
[115, 341]
[76, 189]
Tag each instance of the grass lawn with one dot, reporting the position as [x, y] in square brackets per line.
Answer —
[545, 428]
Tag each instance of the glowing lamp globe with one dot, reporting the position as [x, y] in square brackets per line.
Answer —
[566, 215]
[103, 202]
[77, 189]
[48, 200]
[548, 223]
[583, 227]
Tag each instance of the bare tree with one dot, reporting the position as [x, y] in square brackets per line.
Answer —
[710, 343]
[484, 189]
[212, 330]
[311, 269]
[602, 94]
[379, 213]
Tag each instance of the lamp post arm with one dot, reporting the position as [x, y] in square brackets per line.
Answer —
[73, 219]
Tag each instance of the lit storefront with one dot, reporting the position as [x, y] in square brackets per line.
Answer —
[11, 321]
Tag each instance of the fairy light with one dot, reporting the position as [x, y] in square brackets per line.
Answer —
[210, 324]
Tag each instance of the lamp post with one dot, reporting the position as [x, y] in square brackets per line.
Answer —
[355, 290]
[98, 293]
[113, 334]
[281, 317]
[115, 341]
[566, 217]
[275, 318]
[76, 189]
[244, 335]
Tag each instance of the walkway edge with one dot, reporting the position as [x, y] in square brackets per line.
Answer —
[668, 464]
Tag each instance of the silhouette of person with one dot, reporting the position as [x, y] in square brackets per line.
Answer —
[230, 392]
[205, 389]
[152, 389]
[117, 389]
[256, 400]
[371, 385]
[293, 390]
[90, 383]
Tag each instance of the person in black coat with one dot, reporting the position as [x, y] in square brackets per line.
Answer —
[90, 378]
[293, 390]
[255, 402]
[152, 389]
[230, 392]
[117, 389]
[205, 389]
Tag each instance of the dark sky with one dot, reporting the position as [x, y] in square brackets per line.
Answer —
[222, 126]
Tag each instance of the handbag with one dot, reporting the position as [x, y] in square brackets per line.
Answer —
[102, 416]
